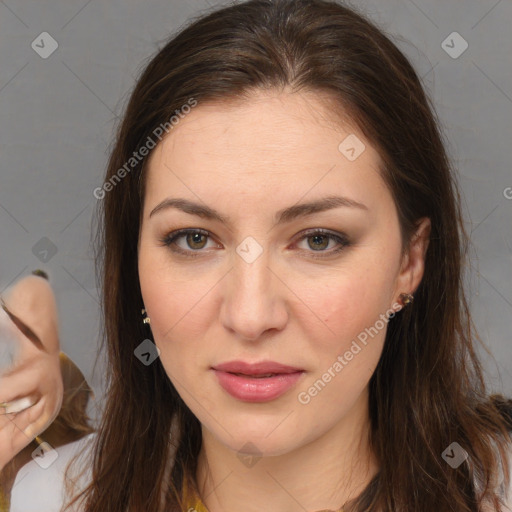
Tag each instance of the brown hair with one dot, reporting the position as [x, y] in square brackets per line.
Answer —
[428, 389]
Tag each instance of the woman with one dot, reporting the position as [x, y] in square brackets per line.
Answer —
[280, 207]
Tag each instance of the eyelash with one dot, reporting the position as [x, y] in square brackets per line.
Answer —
[170, 239]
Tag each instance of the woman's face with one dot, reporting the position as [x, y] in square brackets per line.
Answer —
[255, 284]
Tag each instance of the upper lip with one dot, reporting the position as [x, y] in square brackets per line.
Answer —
[259, 368]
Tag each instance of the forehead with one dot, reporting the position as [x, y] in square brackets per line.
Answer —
[267, 123]
[280, 142]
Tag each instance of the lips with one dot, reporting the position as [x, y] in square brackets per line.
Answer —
[257, 382]
[261, 369]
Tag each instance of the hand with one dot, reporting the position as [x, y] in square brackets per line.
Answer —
[35, 376]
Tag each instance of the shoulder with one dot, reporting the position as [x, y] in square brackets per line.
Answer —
[40, 484]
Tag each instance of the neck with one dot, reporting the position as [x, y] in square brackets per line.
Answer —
[323, 474]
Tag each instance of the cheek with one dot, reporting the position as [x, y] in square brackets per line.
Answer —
[163, 295]
[343, 340]
[344, 328]
[343, 306]
[170, 304]
[173, 306]
[178, 304]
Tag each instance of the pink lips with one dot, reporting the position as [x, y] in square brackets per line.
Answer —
[257, 382]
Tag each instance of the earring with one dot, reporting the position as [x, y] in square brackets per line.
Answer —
[146, 319]
[406, 298]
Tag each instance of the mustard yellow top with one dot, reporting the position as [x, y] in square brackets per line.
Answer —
[4, 501]
[191, 498]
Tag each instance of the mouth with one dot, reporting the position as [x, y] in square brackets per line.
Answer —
[262, 376]
[257, 369]
[257, 382]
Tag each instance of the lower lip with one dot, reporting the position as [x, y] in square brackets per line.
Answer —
[251, 389]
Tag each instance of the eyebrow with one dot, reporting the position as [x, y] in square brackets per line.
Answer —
[281, 217]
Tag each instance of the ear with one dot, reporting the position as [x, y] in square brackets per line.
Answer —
[413, 264]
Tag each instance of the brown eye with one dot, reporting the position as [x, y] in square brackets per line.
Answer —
[318, 242]
[194, 240]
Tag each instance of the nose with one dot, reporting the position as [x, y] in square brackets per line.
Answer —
[254, 299]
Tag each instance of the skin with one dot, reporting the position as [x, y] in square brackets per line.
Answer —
[248, 160]
[36, 371]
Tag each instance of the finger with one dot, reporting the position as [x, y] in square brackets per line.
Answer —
[17, 433]
[40, 422]
[21, 420]
[15, 406]
[21, 382]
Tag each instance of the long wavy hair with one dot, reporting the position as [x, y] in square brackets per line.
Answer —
[428, 389]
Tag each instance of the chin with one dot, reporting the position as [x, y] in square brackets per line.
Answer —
[257, 441]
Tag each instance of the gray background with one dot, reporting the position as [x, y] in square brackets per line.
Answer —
[57, 117]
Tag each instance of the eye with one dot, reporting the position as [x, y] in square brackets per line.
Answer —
[318, 240]
[196, 240]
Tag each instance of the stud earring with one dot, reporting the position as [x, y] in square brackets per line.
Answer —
[146, 319]
[406, 298]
